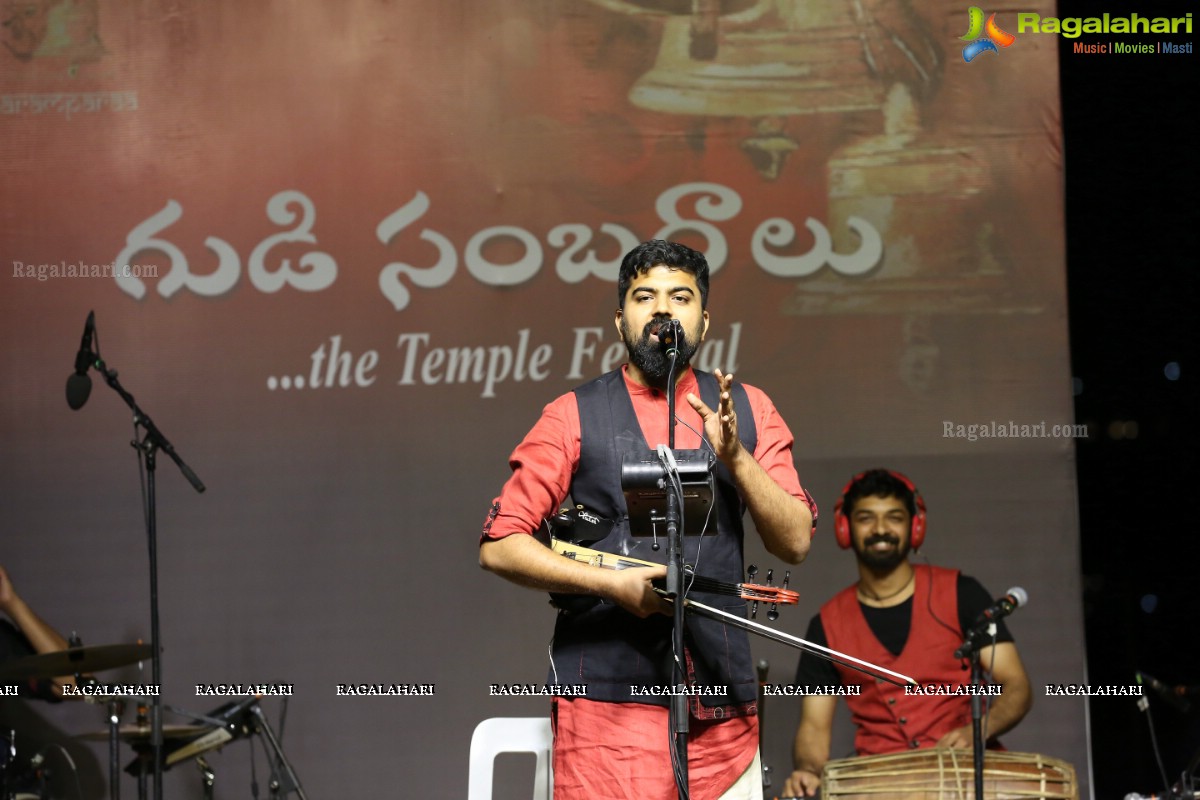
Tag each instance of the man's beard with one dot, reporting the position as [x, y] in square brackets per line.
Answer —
[650, 357]
[886, 561]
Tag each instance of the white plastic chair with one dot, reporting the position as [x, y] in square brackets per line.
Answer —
[510, 735]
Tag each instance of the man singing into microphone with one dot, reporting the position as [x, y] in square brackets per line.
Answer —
[615, 742]
[905, 618]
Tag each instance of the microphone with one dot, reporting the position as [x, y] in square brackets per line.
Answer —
[1013, 599]
[1165, 692]
[669, 335]
[79, 384]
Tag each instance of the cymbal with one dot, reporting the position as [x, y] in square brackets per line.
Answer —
[136, 734]
[83, 660]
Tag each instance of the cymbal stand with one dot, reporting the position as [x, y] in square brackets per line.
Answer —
[283, 778]
[207, 777]
[143, 720]
[142, 788]
[115, 708]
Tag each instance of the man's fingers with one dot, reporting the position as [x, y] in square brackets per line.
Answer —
[658, 604]
[633, 591]
[701, 408]
[801, 783]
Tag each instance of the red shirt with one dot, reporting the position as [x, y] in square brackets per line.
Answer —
[545, 460]
[718, 751]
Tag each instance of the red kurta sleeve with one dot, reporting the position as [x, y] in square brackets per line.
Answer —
[542, 466]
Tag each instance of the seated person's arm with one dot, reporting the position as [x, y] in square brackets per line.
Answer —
[1014, 702]
[41, 636]
[811, 748]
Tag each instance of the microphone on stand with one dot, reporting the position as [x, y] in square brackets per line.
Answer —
[1013, 599]
[1010, 602]
[669, 335]
[1165, 692]
[79, 384]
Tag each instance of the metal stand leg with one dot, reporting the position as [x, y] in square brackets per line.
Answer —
[115, 707]
[288, 782]
[208, 777]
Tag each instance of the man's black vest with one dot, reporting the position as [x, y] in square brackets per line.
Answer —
[610, 649]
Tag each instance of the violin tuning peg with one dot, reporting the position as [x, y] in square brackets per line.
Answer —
[787, 576]
[751, 571]
[754, 610]
[773, 613]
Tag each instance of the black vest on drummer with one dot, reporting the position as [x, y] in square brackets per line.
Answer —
[605, 646]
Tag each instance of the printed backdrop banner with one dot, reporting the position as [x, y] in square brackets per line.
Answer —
[343, 253]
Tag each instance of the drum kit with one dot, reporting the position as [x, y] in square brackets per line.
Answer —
[26, 778]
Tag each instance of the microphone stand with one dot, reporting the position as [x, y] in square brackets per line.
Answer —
[679, 701]
[147, 448]
[674, 592]
[761, 668]
[970, 649]
[977, 723]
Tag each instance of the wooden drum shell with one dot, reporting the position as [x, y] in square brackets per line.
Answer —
[948, 774]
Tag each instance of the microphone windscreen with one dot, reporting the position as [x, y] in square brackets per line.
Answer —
[78, 389]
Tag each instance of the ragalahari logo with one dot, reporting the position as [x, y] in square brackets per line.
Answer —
[992, 39]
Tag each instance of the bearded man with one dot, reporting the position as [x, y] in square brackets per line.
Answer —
[615, 742]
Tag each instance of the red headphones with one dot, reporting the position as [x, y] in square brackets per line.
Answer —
[841, 522]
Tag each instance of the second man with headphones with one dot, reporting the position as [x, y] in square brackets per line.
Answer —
[905, 617]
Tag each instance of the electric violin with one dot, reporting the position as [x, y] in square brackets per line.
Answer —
[747, 591]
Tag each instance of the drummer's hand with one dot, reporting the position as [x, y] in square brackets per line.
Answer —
[801, 783]
[8, 595]
[959, 737]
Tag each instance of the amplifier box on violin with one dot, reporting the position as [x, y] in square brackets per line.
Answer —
[644, 483]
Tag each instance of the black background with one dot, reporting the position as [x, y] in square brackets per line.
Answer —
[1129, 126]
